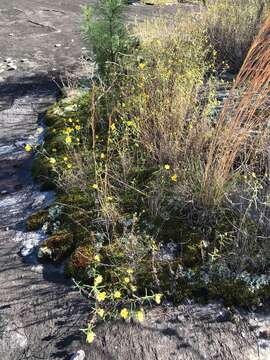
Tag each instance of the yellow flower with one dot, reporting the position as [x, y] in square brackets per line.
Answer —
[39, 130]
[90, 336]
[98, 280]
[69, 166]
[142, 66]
[126, 280]
[130, 271]
[124, 313]
[253, 175]
[140, 315]
[133, 288]
[69, 130]
[102, 156]
[97, 258]
[78, 127]
[158, 298]
[100, 312]
[28, 147]
[70, 120]
[109, 198]
[130, 123]
[167, 167]
[65, 158]
[101, 296]
[52, 160]
[68, 140]
[154, 246]
[95, 186]
[174, 177]
[117, 294]
[113, 127]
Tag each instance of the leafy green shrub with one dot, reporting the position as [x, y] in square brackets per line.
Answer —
[105, 33]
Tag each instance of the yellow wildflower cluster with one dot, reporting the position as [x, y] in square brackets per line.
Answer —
[28, 147]
[117, 294]
[98, 280]
[158, 298]
[101, 312]
[52, 161]
[101, 296]
[97, 258]
[124, 313]
[90, 337]
[68, 140]
[141, 65]
[68, 131]
[140, 315]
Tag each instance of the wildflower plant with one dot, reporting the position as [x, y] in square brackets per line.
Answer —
[115, 299]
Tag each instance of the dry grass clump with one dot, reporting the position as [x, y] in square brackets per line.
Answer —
[241, 146]
[242, 129]
[176, 97]
[232, 26]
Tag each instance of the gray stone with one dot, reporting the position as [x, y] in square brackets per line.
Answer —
[78, 355]
[264, 344]
[11, 66]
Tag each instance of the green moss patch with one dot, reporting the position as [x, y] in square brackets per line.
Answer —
[35, 221]
[57, 247]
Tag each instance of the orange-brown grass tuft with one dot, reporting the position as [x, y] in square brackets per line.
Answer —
[242, 128]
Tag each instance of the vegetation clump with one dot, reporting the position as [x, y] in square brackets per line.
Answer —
[57, 247]
[159, 194]
[232, 27]
[36, 220]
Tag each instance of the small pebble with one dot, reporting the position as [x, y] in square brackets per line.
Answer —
[223, 316]
[25, 251]
[11, 67]
[78, 355]
[263, 344]
[38, 269]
